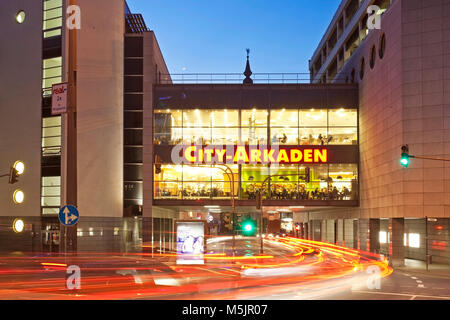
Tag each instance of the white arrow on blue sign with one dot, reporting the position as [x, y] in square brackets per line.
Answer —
[68, 215]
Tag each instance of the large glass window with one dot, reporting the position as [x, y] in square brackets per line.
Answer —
[313, 118]
[224, 118]
[343, 181]
[52, 18]
[288, 182]
[343, 118]
[51, 136]
[253, 177]
[168, 126]
[191, 182]
[284, 127]
[342, 136]
[51, 193]
[52, 74]
[284, 181]
[254, 127]
[226, 127]
[342, 126]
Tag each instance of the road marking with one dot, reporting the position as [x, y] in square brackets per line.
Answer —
[413, 297]
[405, 295]
[421, 286]
[419, 281]
[415, 278]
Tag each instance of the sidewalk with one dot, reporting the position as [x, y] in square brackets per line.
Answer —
[417, 266]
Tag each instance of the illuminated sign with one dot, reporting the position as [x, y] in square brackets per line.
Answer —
[253, 155]
[190, 242]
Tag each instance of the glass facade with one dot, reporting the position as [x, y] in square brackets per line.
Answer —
[252, 127]
[51, 125]
[289, 127]
[288, 182]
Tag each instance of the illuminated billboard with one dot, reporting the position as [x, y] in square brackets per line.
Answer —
[190, 242]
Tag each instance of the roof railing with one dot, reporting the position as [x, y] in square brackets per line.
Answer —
[238, 78]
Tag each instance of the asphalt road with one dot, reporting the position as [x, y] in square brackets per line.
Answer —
[106, 276]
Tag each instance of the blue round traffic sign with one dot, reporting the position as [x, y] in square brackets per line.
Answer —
[68, 215]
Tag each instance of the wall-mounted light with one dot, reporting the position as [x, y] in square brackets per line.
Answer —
[18, 225]
[18, 196]
[20, 17]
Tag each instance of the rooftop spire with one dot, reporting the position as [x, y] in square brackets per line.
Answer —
[248, 72]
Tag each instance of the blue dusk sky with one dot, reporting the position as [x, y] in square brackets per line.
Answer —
[210, 36]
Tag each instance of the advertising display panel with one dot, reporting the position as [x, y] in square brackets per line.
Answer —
[190, 242]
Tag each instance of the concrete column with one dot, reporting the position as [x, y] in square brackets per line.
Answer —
[340, 231]
[306, 230]
[363, 234]
[396, 246]
[374, 235]
[348, 233]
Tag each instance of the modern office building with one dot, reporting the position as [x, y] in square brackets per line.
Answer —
[402, 70]
[118, 60]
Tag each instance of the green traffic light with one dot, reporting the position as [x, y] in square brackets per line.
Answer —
[404, 160]
[248, 227]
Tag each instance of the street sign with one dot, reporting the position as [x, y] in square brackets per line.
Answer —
[69, 216]
[59, 98]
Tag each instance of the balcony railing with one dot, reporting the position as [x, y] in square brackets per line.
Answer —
[238, 78]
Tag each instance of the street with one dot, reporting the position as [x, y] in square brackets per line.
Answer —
[289, 269]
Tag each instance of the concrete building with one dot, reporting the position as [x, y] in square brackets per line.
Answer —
[402, 70]
[118, 60]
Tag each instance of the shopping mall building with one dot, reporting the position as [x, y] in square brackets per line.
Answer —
[153, 148]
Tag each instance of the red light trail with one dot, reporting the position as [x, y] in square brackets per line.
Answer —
[290, 265]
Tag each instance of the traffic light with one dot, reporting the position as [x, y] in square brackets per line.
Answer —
[13, 175]
[404, 161]
[307, 174]
[16, 170]
[248, 227]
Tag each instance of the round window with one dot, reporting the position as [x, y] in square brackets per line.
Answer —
[373, 56]
[20, 16]
[361, 68]
[382, 46]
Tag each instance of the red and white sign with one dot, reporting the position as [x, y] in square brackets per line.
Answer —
[59, 98]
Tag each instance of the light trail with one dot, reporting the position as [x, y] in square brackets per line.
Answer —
[302, 269]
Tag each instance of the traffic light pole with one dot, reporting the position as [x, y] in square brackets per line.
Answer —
[429, 158]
